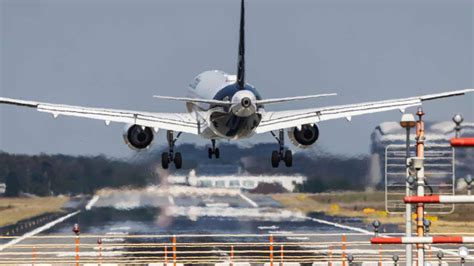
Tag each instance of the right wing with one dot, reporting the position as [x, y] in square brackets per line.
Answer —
[181, 122]
[295, 118]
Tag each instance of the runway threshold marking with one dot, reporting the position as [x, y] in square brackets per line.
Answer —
[247, 199]
[38, 230]
[338, 225]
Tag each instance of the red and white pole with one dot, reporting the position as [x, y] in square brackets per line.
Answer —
[462, 142]
[271, 250]
[440, 199]
[281, 255]
[77, 231]
[343, 248]
[174, 250]
[423, 240]
[99, 242]
[420, 182]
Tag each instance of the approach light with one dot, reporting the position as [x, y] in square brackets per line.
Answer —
[463, 252]
[410, 179]
[440, 254]
[468, 179]
[408, 121]
[457, 119]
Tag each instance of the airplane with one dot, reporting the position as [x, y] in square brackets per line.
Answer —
[221, 106]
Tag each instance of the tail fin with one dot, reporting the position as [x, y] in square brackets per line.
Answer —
[241, 58]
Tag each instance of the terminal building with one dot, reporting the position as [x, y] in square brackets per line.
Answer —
[231, 176]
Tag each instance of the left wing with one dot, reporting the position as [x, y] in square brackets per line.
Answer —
[295, 118]
[181, 122]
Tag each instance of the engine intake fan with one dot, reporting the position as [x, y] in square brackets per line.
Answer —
[304, 137]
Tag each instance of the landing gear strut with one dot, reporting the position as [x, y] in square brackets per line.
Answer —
[281, 154]
[171, 156]
[213, 150]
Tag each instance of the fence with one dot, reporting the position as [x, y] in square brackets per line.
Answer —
[269, 249]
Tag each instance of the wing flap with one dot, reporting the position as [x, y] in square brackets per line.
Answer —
[182, 122]
[293, 118]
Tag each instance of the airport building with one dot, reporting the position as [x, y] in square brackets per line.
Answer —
[231, 176]
[438, 133]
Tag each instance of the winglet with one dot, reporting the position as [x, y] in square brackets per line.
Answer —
[445, 94]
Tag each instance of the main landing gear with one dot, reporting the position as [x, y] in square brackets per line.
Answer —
[171, 156]
[281, 154]
[213, 151]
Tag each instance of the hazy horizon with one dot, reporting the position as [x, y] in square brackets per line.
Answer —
[117, 54]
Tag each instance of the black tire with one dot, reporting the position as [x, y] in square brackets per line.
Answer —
[217, 153]
[209, 153]
[165, 160]
[178, 160]
[288, 158]
[275, 159]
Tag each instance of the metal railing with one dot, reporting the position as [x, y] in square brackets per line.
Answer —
[332, 248]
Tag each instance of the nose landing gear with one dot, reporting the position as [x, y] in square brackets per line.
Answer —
[281, 154]
[213, 151]
[171, 156]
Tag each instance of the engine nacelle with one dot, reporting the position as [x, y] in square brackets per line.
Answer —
[137, 137]
[304, 137]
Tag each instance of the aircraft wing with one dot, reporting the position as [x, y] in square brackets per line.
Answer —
[181, 122]
[295, 118]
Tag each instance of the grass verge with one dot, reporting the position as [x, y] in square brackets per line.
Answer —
[370, 205]
[13, 210]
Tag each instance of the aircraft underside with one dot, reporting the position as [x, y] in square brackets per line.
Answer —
[229, 126]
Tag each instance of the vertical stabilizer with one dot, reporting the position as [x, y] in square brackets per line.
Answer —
[241, 58]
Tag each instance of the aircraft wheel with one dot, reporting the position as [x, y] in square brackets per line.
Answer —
[178, 160]
[217, 153]
[275, 159]
[209, 153]
[165, 160]
[288, 158]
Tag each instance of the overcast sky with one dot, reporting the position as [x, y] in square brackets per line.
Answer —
[118, 54]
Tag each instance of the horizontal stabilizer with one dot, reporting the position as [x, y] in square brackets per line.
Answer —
[296, 98]
[194, 100]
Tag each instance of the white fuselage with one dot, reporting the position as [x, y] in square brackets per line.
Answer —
[237, 121]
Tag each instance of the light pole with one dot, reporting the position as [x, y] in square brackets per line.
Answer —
[350, 259]
[440, 256]
[458, 119]
[463, 253]
[468, 180]
[408, 122]
[376, 224]
[395, 259]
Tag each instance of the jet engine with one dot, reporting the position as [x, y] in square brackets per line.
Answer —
[138, 137]
[304, 137]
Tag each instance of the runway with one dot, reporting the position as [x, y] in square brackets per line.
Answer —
[140, 223]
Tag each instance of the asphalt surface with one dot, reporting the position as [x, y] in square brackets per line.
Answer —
[197, 217]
